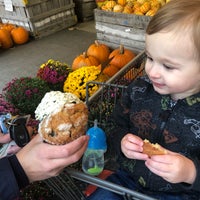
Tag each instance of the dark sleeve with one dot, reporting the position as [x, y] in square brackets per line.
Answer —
[12, 178]
[121, 112]
[196, 185]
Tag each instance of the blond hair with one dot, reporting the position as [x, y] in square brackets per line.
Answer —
[180, 15]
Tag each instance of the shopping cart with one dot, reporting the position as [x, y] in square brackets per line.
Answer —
[71, 183]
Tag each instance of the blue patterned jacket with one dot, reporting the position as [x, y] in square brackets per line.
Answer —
[174, 125]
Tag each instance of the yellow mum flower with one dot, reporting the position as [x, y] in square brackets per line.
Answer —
[77, 80]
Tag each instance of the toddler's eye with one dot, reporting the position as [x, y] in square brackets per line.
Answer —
[167, 67]
[149, 58]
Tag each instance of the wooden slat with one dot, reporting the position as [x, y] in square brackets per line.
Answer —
[114, 29]
[42, 18]
[129, 20]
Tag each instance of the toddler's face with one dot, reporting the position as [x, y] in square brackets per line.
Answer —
[171, 64]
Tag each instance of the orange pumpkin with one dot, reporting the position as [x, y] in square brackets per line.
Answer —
[84, 60]
[1, 25]
[99, 51]
[110, 70]
[121, 56]
[8, 27]
[5, 39]
[20, 35]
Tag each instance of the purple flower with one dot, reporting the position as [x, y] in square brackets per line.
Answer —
[28, 93]
[1, 109]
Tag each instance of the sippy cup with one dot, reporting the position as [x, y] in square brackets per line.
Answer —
[93, 158]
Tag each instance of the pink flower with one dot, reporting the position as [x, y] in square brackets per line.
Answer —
[28, 93]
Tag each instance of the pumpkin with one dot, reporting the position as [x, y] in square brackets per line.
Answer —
[84, 60]
[20, 35]
[99, 51]
[5, 39]
[121, 56]
[8, 27]
[110, 70]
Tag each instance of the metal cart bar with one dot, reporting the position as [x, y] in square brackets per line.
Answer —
[129, 194]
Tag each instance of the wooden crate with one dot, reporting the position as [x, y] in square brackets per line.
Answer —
[40, 17]
[114, 29]
[84, 9]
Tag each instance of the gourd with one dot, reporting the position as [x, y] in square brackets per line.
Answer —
[121, 2]
[121, 56]
[99, 51]
[145, 7]
[127, 9]
[137, 12]
[162, 2]
[110, 4]
[136, 5]
[84, 60]
[20, 35]
[155, 4]
[118, 8]
[5, 39]
[141, 1]
[151, 12]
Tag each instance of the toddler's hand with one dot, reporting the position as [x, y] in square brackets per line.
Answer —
[131, 146]
[172, 167]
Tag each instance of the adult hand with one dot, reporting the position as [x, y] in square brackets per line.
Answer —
[172, 167]
[131, 146]
[41, 160]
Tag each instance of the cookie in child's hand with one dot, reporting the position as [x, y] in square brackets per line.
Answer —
[152, 149]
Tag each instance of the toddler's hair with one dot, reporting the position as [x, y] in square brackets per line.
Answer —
[178, 15]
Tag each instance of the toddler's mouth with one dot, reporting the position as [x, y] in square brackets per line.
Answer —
[158, 85]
